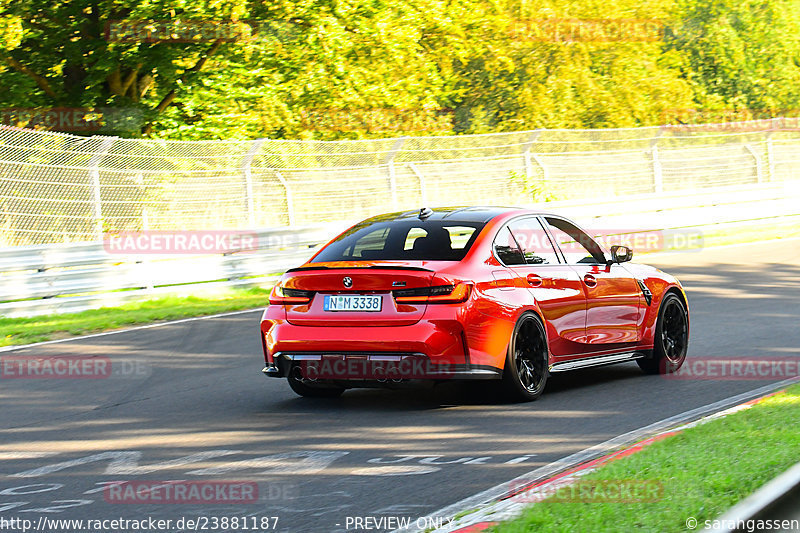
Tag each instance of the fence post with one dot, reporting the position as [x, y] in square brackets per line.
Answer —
[289, 198]
[94, 174]
[759, 164]
[398, 144]
[526, 155]
[776, 124]
[423, 193]
[145, 213]
[247, 175]
[658, 175]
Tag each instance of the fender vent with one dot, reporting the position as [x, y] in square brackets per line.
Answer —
[648, 296]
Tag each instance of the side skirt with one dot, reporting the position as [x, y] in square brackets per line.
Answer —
[596, 361]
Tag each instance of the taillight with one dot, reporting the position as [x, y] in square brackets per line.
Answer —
[439, 294]
[282, 296]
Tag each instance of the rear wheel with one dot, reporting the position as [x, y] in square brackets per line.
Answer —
[671, 338]
[311, 389]
[527, 361]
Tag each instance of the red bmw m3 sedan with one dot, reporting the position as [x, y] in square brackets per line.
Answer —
[468, 293]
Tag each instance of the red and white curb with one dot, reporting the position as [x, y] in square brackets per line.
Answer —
[508, 500]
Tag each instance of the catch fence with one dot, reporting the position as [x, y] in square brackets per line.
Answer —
[62, 188]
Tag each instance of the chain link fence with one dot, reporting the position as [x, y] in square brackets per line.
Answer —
[65, 188]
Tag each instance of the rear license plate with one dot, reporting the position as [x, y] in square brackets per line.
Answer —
[352, 302]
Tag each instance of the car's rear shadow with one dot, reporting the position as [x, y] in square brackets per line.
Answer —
[455, 393]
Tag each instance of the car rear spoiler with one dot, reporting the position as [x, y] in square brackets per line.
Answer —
[354, 267]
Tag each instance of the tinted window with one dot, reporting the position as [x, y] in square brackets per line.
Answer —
[576, 245]
[506, 248]
[430, 240]
[534, 242]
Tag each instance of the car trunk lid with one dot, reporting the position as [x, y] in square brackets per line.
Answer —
[375, 278]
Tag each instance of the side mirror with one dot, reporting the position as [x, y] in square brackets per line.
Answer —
[621, 254]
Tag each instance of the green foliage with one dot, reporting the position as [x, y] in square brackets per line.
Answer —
[740, 56]
[332, 69]
[536, 189]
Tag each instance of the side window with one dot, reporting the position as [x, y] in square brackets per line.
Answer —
[536, 246]
[576, 245]
[506, 248]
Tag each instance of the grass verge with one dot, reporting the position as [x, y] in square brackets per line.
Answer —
[703, 471]
[43, 328]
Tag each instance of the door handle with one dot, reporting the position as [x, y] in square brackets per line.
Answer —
[590, 280]
[534, 280]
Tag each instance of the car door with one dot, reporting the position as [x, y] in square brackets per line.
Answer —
[555, 286]
[613, 297]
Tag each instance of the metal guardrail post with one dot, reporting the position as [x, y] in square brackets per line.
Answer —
[526, 155]
[776, 124]
[398, 144]
[759, 163]
[247, 175]
[658, 173]
[94, 174]
[423, 194]
[139, 180]
[289, 198]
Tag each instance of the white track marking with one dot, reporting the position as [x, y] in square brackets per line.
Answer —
[295, 463]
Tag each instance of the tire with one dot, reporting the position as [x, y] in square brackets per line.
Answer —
[527, 361]
[313, 390]
[671, 338]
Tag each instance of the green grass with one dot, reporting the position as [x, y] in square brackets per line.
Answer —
[42, 328]
[703, 471]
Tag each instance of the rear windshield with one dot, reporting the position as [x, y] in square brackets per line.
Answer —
[431, 240]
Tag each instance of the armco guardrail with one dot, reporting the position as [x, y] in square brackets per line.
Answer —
[72, 277]
[57, 278]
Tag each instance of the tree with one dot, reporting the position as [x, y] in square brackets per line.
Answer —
[742, 57]
[70, 54]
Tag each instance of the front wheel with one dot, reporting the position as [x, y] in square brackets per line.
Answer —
[527, 361]
[671, 338]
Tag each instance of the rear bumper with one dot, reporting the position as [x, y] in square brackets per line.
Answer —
[441, 339]
[433, 348]
[380, 367]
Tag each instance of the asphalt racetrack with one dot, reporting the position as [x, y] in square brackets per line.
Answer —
[187, 401]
